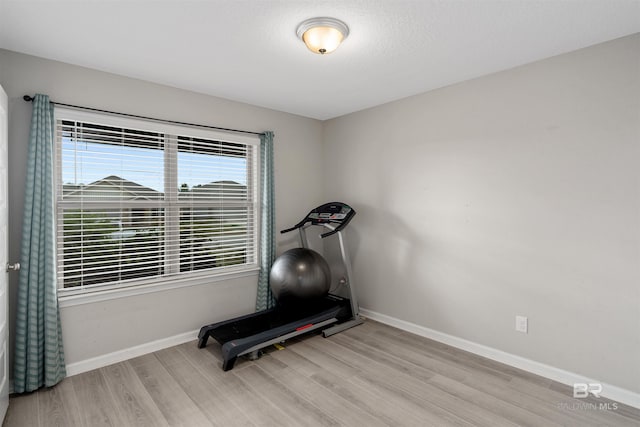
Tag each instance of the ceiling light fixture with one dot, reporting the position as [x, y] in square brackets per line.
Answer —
[322, 35]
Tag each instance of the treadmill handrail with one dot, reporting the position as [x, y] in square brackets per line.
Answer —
[295, 227]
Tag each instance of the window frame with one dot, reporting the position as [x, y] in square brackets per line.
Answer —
[172, 278]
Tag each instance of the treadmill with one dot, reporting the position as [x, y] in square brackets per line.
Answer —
[250, 333]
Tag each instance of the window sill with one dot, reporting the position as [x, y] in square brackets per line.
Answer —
[162, 284]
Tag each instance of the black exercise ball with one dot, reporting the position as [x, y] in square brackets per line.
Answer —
[299, 273]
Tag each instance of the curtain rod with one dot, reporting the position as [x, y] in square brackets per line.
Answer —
[29, 98]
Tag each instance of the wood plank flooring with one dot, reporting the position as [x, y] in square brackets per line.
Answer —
[372, 375]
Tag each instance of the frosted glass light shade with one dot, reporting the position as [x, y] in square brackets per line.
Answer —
[322, 35]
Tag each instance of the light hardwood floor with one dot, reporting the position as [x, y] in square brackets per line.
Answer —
[372, 375]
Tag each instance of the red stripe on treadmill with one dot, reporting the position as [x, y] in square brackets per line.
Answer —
[301, 328]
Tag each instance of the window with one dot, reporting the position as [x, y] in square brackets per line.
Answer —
[140, 201]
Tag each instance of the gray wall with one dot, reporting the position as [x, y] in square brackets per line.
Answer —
[512, 194]
[100, 328]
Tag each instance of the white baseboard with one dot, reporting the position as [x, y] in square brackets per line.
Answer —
[565, 377]
[129, 353]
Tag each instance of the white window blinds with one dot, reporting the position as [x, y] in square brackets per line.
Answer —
[140, 200]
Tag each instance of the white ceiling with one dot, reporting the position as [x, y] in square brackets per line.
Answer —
[248, 51]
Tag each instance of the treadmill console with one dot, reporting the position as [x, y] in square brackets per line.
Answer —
[329, 213]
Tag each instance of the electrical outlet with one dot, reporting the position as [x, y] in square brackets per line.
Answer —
[522, 324]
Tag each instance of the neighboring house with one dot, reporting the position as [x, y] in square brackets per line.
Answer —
[111, 187]
[118, 191]
[114, 187]
[121, 191]
[229, 198]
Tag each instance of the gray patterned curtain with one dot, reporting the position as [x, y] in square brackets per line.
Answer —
[265, 298]
[39, 356]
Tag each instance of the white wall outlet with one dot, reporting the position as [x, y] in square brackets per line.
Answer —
[522, 324]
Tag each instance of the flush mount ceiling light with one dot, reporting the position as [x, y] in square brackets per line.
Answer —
[322, 35]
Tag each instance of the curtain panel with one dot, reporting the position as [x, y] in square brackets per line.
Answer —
[265, 298]
[39, 355]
